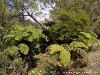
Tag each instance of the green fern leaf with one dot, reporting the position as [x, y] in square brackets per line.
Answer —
[30, 39]
[30, 28]
[80, 44]
[18, 37]
[88, 41]
[65, 57]
[18, 27]
[9, 36]
[86, 34]
[64, 54]
[24, 48]
[77, 44]
[83, 54]
[55, 48]
[25, 34]
[36, 72]
[92, 40]
[11, 50]
[83, 38]
[93, 34]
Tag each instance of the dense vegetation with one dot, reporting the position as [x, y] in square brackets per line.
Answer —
[57, 47]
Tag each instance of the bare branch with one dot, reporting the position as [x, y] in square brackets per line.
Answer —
[43, 27]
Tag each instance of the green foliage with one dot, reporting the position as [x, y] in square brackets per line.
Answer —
[54, 48]
[64, 54]
[18, 34]
[78, 48]
[12, 50]
[73, 30]
[23, 48]
[65, 57]
[76, 15]
[82, 44]
[71, 23]
[82, 53]
[97, 27]
[23, 42]
[88, 39]
[36, 73]
[77, 44]
[86, 34]
[72, 20]
[64, 30]
[25, 33]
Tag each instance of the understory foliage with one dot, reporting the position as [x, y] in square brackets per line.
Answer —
[65, 56]
[72, 46]
[22, 39]
[23, 43]
[63, 46]
[74, 38]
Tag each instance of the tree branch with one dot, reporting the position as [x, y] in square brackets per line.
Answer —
[43, 27]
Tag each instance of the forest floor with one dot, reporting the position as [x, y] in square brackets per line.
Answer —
[94, 62]
[93, 67]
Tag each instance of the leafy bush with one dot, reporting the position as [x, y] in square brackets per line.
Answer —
[23, 37]
[23, 42]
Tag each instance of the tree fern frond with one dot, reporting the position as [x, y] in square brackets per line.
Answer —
[55, 48]
[83, 54]
[78, 44]
[9, 36]
[11, 50]
[86, 34]
[24, 48]
[65, 57]
[64, 54]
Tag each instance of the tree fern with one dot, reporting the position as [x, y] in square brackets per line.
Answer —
[79, 48]
[22, 37]
[64, 54]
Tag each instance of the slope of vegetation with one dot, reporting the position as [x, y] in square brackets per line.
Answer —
[67, 45]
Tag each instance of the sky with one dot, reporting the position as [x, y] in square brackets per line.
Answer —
[43, 10]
